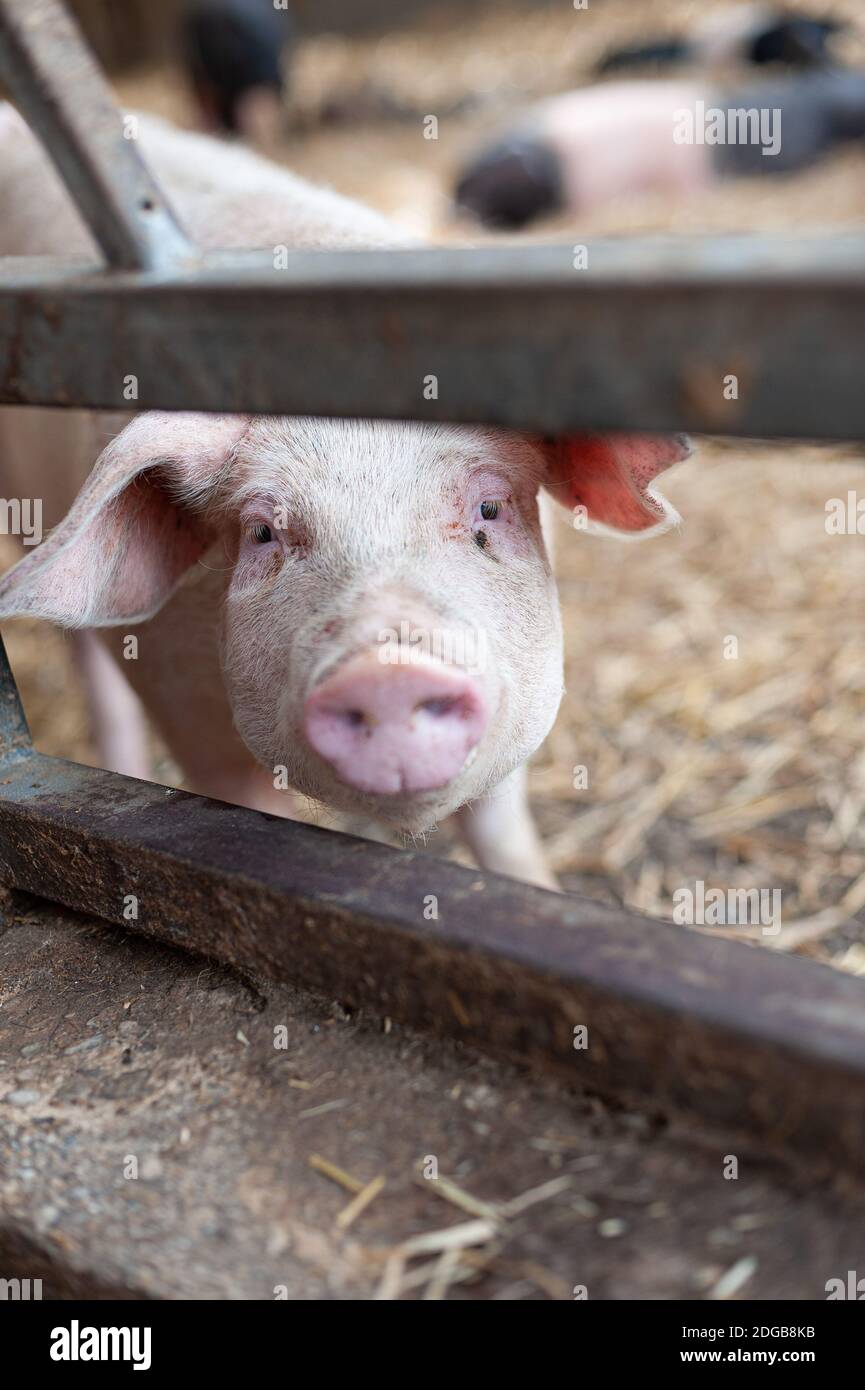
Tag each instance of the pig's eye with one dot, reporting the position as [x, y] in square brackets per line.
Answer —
[489, 510]
[262, 533]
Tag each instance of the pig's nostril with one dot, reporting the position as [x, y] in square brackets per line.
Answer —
[441, 708]
[354, 718]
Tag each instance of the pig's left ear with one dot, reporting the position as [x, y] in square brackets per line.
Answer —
[138, 524]
[612, 476]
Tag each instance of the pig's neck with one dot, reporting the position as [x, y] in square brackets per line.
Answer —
[178, 676]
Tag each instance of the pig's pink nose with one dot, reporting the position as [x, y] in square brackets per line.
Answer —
[393, 728]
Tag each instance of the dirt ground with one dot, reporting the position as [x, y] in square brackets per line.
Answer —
[176, 1132]
[741, 764]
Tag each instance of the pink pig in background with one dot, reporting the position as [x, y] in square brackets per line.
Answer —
[278, 572]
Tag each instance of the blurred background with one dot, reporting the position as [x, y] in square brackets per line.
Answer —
[744, 771]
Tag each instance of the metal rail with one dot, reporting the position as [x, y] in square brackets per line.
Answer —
[642, 339]
[15, 738]
[750, 1040]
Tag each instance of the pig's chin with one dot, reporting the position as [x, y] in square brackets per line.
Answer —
[411, 813]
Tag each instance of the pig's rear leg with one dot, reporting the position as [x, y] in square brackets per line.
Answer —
[117, 721]
[502, 836]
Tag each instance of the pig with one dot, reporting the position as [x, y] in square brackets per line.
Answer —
[574, 152]
[236, 53]
[754, 34]
[360, 610]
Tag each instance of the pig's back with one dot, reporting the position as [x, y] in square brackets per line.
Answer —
[617, 138]
[225, 195]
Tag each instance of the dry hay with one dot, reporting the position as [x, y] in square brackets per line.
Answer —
[742, 765]
[466, 58]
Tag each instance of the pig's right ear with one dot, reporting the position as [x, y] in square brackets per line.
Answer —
[135, 528]
[612, 478]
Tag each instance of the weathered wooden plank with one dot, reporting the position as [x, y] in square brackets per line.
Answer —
[758, 1043]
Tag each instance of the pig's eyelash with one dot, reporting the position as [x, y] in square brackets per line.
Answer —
[262, 529]
[259, 527]
[488, 510]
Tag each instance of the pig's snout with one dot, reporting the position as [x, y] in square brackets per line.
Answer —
[512, 183]
[395, 728]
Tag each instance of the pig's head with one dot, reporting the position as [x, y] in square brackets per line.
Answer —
[390, 627]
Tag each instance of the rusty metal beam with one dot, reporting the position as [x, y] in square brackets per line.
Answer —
[642, 339]
[14, 733]
[754, 1042]
[60, 90]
